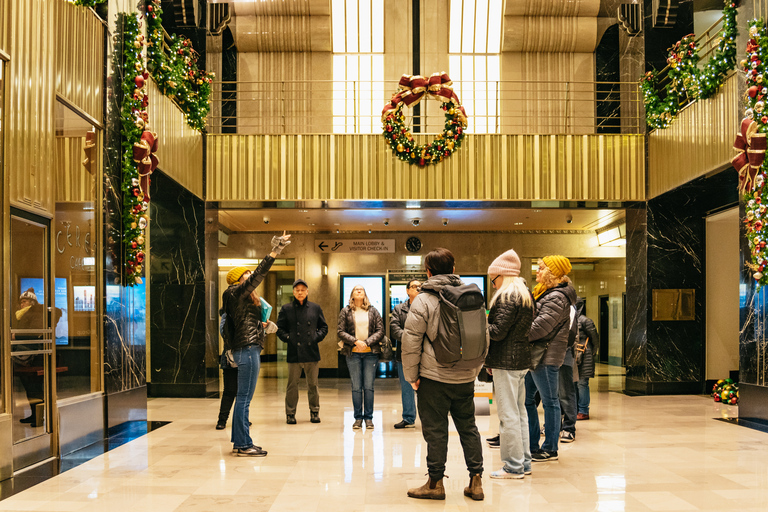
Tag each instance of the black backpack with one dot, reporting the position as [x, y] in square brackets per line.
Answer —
[462, 336]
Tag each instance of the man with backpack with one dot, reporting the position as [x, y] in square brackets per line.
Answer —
[444, 345]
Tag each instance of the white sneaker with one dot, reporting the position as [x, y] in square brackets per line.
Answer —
[506, 475]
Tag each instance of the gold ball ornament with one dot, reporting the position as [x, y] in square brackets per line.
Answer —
[140, 240]
[133, 225]
[400, 148]
[449, 133]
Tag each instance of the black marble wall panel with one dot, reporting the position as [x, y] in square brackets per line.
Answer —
[124, 308]
[177, 290]
[671, 357]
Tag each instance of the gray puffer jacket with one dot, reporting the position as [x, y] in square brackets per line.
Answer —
[421, 326]
[509, 322]
[553, 307]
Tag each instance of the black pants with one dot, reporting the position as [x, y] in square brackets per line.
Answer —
[567, 399]
[229, 393]
[436, 400]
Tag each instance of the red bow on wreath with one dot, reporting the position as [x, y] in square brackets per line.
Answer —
[751, 147]
[414, 87]
[143, 154]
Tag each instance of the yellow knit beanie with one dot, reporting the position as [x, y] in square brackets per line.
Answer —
[235, 274]
[558, 265]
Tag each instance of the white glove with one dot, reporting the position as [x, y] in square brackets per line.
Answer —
[279, 243]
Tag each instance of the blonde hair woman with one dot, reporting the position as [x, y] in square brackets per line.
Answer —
[549, 334]
[509, 357]
[361, 329]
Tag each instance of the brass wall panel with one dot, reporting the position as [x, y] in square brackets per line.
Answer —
[488, 167]
[80, 64]
[73, 183]
[5, 13]
[180, 148]
[29, 141]
[699, 141]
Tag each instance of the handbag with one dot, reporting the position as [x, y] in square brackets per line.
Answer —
[387, 354]
[538, 349]
[579, 349]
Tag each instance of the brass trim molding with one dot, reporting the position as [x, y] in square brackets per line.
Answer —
[487, 168]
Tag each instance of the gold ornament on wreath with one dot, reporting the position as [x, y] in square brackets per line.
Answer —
[411, 90]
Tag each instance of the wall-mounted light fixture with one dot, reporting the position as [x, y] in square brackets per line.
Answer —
[613, 236]
[413, 260]
[325, 270]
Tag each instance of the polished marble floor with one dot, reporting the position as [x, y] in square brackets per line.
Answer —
[664, 453]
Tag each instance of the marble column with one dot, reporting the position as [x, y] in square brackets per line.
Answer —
[665, 250]
[125, 307]
[177, 282]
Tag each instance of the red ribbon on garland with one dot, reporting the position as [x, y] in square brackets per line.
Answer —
[414, 87]
[144, 155]
[751, 147]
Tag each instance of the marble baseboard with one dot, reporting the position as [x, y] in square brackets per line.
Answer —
[640, 387]
[197, 390]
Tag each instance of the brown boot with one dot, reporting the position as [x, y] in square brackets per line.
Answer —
[475, 489]
[429, 491]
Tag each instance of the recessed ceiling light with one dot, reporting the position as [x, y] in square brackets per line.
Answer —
[311, 223]
[518, 223]
[336, 224]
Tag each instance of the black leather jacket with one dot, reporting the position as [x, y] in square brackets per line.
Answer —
[345, 329]
[249, 329]
[396, 325]
[509, 323]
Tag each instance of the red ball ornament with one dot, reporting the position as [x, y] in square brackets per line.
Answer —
[149, 8]
[134, 245]
[136, 192]
[752, 91]
[458, 130]
[422, 162]
[764, 119]
[139, 81]
[139, 256]
[447, 153]
[389, 127]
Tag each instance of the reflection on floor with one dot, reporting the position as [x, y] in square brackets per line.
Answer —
[661, 453]
[118, 436]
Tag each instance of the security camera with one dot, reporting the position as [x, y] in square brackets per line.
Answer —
[445, 222]
[569, 218]
[266, 219]
[386, 222]
[416, 222]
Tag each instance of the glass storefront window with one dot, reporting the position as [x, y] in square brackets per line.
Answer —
[78, 354]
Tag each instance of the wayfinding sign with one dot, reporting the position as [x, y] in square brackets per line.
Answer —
[359, 246]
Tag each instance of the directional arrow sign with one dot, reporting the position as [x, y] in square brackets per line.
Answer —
[322, 246]
[346, 245]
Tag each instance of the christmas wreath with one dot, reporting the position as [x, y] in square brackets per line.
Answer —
[686, 82]
[139, 145]
[411, 90]
[177, 74]
[751, 145]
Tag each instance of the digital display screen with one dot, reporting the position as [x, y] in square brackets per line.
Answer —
[84, 299]
[374, 288]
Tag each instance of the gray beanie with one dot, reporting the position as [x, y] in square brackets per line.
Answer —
[29, 295]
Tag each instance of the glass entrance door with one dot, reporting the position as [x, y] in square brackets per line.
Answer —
[31, 341]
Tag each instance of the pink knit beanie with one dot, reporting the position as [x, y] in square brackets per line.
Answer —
[508, 264]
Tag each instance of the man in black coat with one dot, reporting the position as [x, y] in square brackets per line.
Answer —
[396, 325]
[302, 326]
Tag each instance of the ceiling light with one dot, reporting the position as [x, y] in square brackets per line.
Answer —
[612, 237]
[237, 262]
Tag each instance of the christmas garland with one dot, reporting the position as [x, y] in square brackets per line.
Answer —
[751, 143]
[687, 83]
[411, 90]
[134, 120]
[177, 74]
[87, 3]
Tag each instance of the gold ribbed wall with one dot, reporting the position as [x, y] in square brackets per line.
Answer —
[180, 148]
[699, 141]
[487, 167]
[74, 183]
[30, 40]
[80, 63]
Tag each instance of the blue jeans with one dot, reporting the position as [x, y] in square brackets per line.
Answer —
[582, 395]
[408, 396]
[509, 386]
[362, 373]
[567, 394]
[545, 380]
[248, 361]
